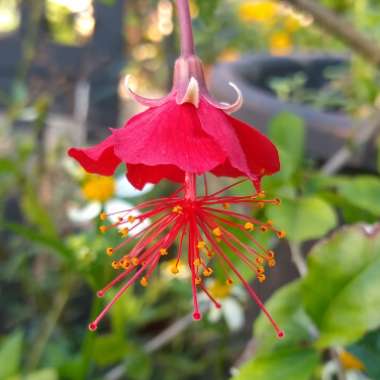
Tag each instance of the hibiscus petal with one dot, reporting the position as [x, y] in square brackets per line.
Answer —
[99, 159]
[168, 135]
[216, 124]
[140, 175]
[262, 155]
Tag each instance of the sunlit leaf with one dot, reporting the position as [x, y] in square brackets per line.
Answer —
[287, 310]
[283, 364]
[363, 192]
[10, 354]
[287, 131]
[303, 218]
[340, 292]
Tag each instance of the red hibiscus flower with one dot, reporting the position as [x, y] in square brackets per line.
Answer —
[185, 132]
[179, 137]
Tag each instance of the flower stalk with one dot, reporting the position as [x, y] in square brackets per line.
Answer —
[186, 30]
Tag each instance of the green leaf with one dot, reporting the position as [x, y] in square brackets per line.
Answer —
[32, 235]
[288, 168]
[10, 355]
[107, 2]
[285, 364]
[207, 8]
[36, 212]
[286, 308]
[109, 349]
[303, 218]
[340, 291]
[287, 131]
[7, 165]
[367, 350]
[43, 374]
[363, 192]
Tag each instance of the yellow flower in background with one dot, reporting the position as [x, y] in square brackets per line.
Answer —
[173, 269]
[264, 12]
[280, 43]
[349, 361]
[291, 24]
[220, 290]
[229, 55]
[98, 188]
[194, 10]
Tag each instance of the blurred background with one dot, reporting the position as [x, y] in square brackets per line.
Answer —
[309, 73]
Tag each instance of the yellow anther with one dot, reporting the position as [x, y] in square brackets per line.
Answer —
[131, 219]
[177, 209]
[270, 254]
[277, 201]
[115, 265]
[208, 272]
[259, 260]
[226, 206]
[281, 234]
[229, 281]
[197, 262]
[260, 204]
[102, 229]
[124, 232]
[109, 251]
[263, 228]
[261, 194]
[163, 251]
[261, 277]
[270, 223]
[198, 281]
[260, 270]
[249, 226]
[125, 264]
[135, 261]
[144, 282]
[272, 263]
[201, 244]
[210, 253]
[217, 232]
[103, 216]
[174, 269]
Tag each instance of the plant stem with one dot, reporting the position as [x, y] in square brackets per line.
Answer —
[362, 134]
[50, 323]
[184, 21]
[340, 28]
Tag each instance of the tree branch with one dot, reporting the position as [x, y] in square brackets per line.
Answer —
[340, 28]
[362, 134]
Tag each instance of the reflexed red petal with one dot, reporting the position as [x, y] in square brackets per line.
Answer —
[216, 123]
[99, 159]
[261, 154]
[139, 175]
[169, 135]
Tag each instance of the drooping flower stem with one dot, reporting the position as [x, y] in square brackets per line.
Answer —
[184, 21]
